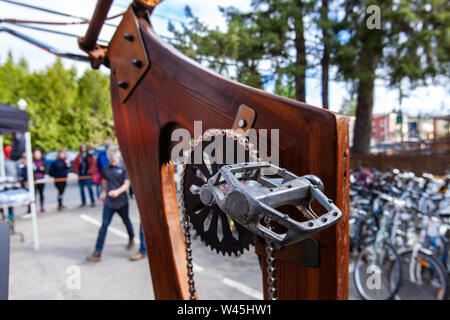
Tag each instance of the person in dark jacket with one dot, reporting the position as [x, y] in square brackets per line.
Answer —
[39, 173]
[22, 165]
[85, 166]
[59, 170]
[18, 147]
[102, 161]
[115, 184]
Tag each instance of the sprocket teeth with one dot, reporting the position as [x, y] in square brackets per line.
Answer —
[188, 179]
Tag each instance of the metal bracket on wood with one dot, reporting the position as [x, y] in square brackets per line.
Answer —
[149, 4]
[305, 253]
[98, 56]
[127, 55]
[245, 118]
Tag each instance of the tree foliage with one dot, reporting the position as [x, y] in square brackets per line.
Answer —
[410, 48]
[348, 107]
[268, 45]
[64, 110]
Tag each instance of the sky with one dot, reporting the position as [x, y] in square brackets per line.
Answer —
[432, 99]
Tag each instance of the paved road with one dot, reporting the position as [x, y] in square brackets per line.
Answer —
[66, 238]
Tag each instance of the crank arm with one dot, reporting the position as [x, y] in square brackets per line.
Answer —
[251, 192]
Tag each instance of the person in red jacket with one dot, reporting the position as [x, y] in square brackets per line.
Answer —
[7, 151]
[85, 166]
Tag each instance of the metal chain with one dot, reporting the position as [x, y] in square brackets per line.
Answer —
[187, 240]
[271, 269]
[190, 266]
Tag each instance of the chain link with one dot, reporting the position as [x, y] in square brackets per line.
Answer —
[271, 269]
[186, 225]
[190, 266]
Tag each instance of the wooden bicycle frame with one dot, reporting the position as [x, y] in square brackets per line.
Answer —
[169, 90]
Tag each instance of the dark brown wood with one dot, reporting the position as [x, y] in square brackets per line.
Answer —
[176, 91]
[305, 253]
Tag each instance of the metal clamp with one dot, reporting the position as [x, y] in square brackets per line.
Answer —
[250, 192]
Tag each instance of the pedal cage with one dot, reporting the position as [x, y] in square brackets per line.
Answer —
[250, 192]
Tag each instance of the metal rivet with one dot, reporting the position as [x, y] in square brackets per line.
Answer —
[137, 63]
[242, 123]
[122, 84]
[128, 36]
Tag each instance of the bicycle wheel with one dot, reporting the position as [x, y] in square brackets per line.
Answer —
[362, 231]
[424, 277]
[377, 271]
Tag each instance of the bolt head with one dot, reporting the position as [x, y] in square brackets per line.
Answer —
[122, 84]
[237, 205]
[137, 63]
[128, 37]
[206, 196]
[242, 123]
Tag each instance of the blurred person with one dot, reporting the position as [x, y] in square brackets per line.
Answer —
[97, 181]
[7, 152]
[102, 161]
[39, 170]
[115, 184]
[130, 192]
[85, 166]
[22, 164]
[142, 253]
[18, 146]
[59, 169]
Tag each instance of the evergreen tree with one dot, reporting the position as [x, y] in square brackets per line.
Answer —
[271, 34]
[411, 44]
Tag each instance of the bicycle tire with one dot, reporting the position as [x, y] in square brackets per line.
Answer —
[413, 290]
[393, 275]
